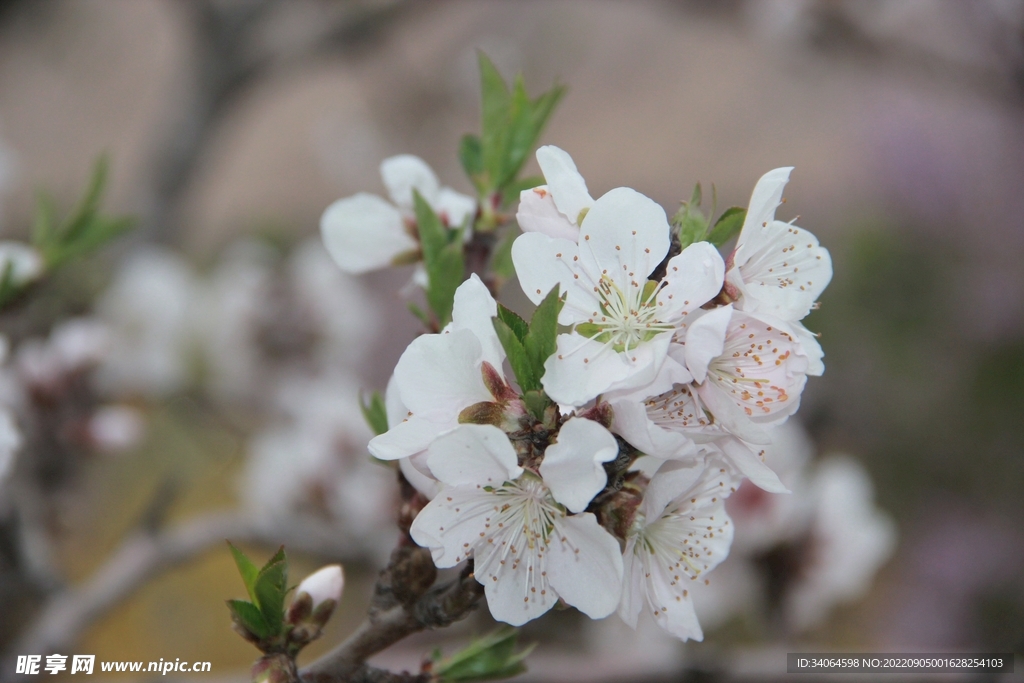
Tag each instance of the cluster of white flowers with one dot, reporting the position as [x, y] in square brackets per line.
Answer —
[673, 354]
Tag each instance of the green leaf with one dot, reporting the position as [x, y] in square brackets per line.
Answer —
[517, 356]
[519, 326]
[520, 136]
[536, 402]
[248, 615]
[696, 196]
[444, 276]
[728, 226]
[442, 258]
[271, 587]
[540, 341]
[494, 107]
[472, 160]
[471, 156]
[247, 569]
[489, 658]
[375, 413]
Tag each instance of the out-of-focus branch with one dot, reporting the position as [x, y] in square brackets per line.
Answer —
[234, 48]
[146, 554]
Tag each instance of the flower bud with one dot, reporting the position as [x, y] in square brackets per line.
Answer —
[315, 600]
[323, 585]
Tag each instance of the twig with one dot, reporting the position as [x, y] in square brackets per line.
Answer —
[144, 555]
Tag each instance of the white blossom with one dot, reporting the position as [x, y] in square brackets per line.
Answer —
[147, 308]
[116, 428]
[681, 532]
[365, 232]
[439, 375]
[528, 551]
[624, 322]
[849, 540]
[778, 268]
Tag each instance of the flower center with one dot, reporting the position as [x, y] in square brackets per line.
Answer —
[626, 318]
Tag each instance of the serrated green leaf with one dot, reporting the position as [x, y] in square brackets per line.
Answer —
[442, 257]
[444, 275]
[540, 341]
[247, 569]
[517, 356]
[271, 587]
[494, 106]
[728, 226]
[489, 658]
[520, 136]
[519, 326]
[471, 158]
[375, 413]
[696, 196]
[279, 556]
[249, 616]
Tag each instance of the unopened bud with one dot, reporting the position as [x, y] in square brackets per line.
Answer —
[323, 585]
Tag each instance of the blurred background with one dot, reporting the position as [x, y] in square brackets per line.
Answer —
[197, 380]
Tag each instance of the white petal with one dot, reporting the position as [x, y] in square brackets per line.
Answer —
[762, 370]
[405, 438]
[404, 173]
[454, 208]
[585, 565]
[625, 234]
[811, 349]
[633, 585]
[537, 213]
[439, 374]
[449, 526]
[692, 278]
[705, 339]
[516, 592]
[363, 232]
[670, 481]
[421, 480]
[568, 189]
[473, 310]
[632, 424]
[672, 611]
[541, 263]
[572, 467]
[582, 368]
[473, 455]
[765, 199]
[729, 416]
[753, 467]
[781, 270]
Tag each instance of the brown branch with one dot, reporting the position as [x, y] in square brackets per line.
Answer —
[145, 555]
